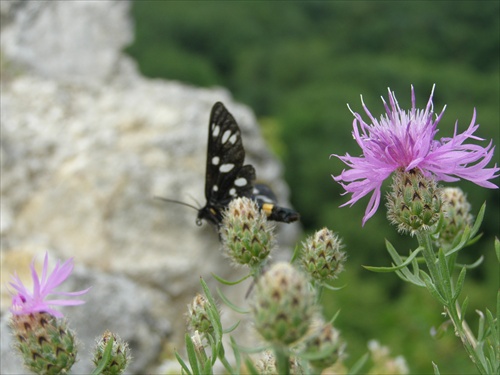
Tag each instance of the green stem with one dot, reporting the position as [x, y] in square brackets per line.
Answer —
[451, 307]
[282, 361]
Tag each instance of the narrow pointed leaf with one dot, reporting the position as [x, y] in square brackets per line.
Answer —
[191, 353]
[182, 363]
[479, 220]
[460, 284]
[227, 282]
[431, 287]
[399, 266]
[106, 356]
[231, 305]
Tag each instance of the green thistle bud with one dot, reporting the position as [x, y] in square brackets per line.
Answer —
[326, 341]
[283, 305]
[414, 203]
[456, 215]
[197, 315]
[321, 255]
[247, 236]
[45, 343]
[120, 354]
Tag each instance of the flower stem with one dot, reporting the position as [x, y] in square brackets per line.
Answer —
[282, 361]
[451, 306]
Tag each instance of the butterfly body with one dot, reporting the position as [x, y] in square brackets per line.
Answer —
[227, 177]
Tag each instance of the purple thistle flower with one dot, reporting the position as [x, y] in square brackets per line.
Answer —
[25, 302]
[405, 140]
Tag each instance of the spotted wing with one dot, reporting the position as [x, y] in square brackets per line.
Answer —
[226, 176]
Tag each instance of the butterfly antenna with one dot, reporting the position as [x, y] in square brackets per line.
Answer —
[177, 202]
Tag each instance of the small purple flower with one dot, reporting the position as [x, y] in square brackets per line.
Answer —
[25, 302]
[405, 140]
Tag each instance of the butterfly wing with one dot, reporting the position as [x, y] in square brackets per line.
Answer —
[226, 176]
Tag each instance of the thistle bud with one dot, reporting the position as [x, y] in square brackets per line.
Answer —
[197, 316]
[321, 256]
[328, 342]
[247, 236]
[45, 343]
[414, 203]
[120, 354]
[283, 305]
[456, 215]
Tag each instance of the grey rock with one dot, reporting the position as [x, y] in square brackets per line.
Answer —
[84, 153]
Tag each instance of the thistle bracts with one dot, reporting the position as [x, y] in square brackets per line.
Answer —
[46, 344]
[327, 346]
[118, 357]
[414, 203]
[198, 319]
[321, 256]
[283, 305]
[246, 234]
[456, 215]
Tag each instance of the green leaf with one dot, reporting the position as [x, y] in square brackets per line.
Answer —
[400, 264]
[444, 275]
[251, 367]
[460, 284]
[182, 363]
[227, 282]
[481, 333]
[497, 248]
[236, 352]
[332, 288]
[479, 220]
[356, 368]
[191, 353]
[473, 265]
[106, 357]
[463, 308]
[431, 287]
[296, 253]
[232, 328]
[436, 369]
[231, 305]
[464, 239]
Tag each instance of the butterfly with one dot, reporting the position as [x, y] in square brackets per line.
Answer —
[227, 177]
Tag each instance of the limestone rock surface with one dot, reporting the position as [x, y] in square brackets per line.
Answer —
[86, 146]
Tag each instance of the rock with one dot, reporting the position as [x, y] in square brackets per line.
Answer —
[84, 153]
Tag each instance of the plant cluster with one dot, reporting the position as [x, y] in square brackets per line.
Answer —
[284, 302]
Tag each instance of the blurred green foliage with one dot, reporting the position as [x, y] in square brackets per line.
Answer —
[298, 64]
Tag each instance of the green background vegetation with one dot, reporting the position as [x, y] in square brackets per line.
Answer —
[297, 65]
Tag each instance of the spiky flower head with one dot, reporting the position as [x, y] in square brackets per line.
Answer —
[120, 354]
[456, 215]
[283, 305]
[46, 344]
[404, 140]
[247, 236]
[198, 317]
[322, 257]
[26, 302]
[328, 343]
[414, 202]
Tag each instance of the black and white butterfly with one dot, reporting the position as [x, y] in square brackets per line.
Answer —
[228, 178]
